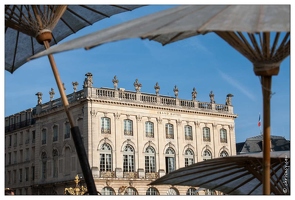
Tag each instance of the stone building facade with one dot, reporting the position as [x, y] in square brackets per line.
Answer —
[131, 138]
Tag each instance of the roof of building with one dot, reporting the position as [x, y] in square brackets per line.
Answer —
[254, 144]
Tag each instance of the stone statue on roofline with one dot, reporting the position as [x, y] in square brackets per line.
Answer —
[211, 95]
[228, 99]
[88, 80]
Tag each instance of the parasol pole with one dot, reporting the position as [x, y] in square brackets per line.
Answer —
[44, 37]
[266, 71]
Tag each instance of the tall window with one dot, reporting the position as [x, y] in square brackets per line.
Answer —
[128, 159]
[27, 174]
[169, 131]
[150, 166]
[188, 132]
[106, 158]
[44, 135]
[105, 125]
[67, 130]
[128, 127]
[152, 191]
[223, 135]
[108, 191]
[188, 157]
[223, 153]
[207, 155]
[55, 163]
[67, 160]
[55, 133]
[206, 134]
[149, 129]
[44, 164]
[170, 160]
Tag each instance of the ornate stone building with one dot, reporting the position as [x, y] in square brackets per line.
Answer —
[130, 137]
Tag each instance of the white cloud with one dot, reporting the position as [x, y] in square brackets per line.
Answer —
[237, 85]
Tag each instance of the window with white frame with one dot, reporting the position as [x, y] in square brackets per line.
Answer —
[223, 135]
[170, 160]
[206, 134]
[192, 191]
[188, 132]
[188, 157]
[172, 191]
[207, 155]
[128, 127]
[150, 165]
[106, 125]
[108, 191]
[149, 129]
[152, 191]
[105, 158]
[223, 153]
[169, 131]
[131, 191]
[128, 159]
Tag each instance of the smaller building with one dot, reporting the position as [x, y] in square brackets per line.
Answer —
[254, 144]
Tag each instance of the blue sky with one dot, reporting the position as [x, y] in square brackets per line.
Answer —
[204, 62]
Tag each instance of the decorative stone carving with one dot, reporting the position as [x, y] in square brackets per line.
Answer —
[117, 115]
[138, 117]
[63, 85]
[194, 94]
[51, 93]
[211, 95]
[75, 84]
[157, 88]
[88, 80]
[115, 82]
[175, 90]
[39, 95]
[159, 120]
[137, 85]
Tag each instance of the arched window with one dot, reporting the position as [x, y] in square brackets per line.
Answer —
[128, 127]
[150, 158]
[149, 129]
[223, 135]
[188, 132]
[207, 155]
[55, 162]
[172, 191]
[55, 133]
[170, 160]
[192, 191]
[131, 191]
[152, 191]
[188, 157]
[67, 133]
[223, 154]
[105, 158]
[169, 131]
[44, 164]
[106, 125]
[128, 159]
[206, 134]
[108, 191]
